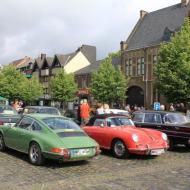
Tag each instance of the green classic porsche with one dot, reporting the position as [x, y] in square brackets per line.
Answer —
[48, 136]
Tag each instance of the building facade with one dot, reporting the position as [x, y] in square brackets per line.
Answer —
[44, 68]
[139, 53]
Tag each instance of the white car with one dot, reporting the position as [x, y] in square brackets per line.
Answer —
[119, 111]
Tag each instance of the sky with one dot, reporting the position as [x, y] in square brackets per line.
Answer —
[32, 27]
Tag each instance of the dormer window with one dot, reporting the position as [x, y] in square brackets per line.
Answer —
[167, 34]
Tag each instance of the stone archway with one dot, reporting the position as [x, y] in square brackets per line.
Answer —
[135, 96]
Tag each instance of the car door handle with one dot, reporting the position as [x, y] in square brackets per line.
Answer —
[159, 126]
[177, 128]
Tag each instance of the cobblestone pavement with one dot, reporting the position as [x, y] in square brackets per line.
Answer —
[170, 171]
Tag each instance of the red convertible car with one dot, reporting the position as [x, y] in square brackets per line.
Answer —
[119, 134]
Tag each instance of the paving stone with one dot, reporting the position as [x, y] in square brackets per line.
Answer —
[170, 171]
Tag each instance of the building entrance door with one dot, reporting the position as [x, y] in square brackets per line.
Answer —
[135, 96]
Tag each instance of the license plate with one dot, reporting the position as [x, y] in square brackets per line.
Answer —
[81, 152]
[157, 152]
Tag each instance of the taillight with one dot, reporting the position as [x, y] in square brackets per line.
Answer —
[66, 153]
[1, 123]
[62, 151]
[56, 150]
[98, 151]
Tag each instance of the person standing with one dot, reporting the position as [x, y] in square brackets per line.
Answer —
[100, 109]
[84, 112]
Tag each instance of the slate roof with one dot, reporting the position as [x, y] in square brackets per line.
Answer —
[151, 29]
[89, 69]
[49, 61]
[39, 62]
[64, 59]
[89, 52]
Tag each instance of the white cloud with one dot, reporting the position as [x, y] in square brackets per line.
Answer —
[60, 26]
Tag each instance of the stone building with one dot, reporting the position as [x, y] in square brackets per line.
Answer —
[140, 51]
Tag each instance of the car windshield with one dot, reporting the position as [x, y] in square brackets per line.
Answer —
[173, 118]
[5, 109]
[119, 121]
[60, 123]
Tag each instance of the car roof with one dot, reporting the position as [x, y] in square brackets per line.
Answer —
[42, 116]
[154, 111]
[40, 107]
[118, 110]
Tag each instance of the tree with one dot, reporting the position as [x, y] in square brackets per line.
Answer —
[14, 84]
[173, 68]
[32, 89]
[63, 87]
[108, 83]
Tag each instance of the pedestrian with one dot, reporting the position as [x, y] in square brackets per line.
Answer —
[78, 112]
[100, 109]
[106, 108]
[84, 112]
[16, 105]
[127, 108]
[171, 108]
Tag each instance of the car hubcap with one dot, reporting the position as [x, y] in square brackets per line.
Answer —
[119, 148]
[34, 153]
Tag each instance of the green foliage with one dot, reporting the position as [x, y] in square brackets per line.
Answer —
[33, 89]
[14, 84]
[173, 68]
[109, 84]
[63, 87]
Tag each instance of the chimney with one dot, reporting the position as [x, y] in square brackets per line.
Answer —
[123, 45]
[43, 55]
[142, 14]
[184, 3]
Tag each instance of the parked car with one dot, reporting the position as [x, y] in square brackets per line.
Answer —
[175, 125]
[119, 134]
[41, 110]
[46, 136]
[8, 115]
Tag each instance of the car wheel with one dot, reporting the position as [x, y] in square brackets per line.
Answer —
[119, 149]
[2, 143]
[35, 154]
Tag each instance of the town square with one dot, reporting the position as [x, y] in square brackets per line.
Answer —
[95, 95]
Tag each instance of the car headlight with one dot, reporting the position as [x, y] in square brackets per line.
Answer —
[164, 136]
[135, 138]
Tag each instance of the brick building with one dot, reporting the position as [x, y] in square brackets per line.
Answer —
[140, 51]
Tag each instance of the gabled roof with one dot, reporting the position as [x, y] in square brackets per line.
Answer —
[39, 62]
[151, 28]
[21, 62]
[64, 59]
[49, 61]
[89, 52]
[89, 69]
